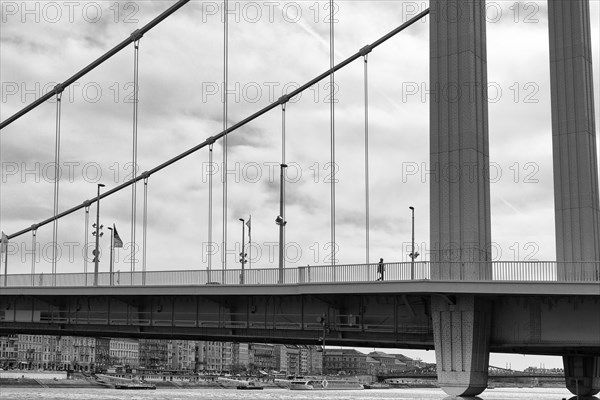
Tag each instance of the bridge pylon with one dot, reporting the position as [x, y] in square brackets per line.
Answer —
[460, 191]
[576, 198]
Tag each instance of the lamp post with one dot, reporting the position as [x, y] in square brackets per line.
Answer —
[112, 241]
[280, 220]
[97, 233]
[412, 250]
[323, 319]
[243, 253]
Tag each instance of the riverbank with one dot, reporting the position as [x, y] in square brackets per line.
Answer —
[48, 383]
[91, 384]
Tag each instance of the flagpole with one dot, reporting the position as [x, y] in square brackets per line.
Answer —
[4, 249]
[6, 264]
[249, 243]
[243, 253]
[112, 240]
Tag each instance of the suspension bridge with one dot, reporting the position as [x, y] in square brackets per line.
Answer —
[461, 303]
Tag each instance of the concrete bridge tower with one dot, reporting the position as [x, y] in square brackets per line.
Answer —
[460, 192]
[576, 204]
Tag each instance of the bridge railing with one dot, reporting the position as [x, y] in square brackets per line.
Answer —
[545, 271]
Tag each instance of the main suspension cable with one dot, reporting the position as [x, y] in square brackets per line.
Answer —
[96, 63]
[234, 127]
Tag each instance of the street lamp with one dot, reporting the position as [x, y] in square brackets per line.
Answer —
[412, 254]
[323, 319]
[97, 233]
[243, 253]
[280, 220]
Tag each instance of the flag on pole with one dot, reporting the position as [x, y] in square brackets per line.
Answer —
[249, 242]
[248, 225]
[4, 244]
[117, 242]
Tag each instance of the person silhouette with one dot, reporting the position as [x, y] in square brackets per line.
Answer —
[380, 269]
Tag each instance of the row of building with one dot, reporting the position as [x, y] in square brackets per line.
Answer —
[103, 354]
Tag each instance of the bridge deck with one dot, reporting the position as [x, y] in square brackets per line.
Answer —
[407, 287]
[507, 277]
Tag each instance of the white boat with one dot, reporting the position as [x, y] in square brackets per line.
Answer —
[230, 382]
[282, 383]
[124, 383]
[135, 386]
[325, 384]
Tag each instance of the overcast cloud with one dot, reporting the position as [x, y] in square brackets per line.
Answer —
[273, 47]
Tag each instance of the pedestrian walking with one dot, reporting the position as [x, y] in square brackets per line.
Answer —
[380, 269]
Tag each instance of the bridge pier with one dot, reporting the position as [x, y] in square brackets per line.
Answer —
[582, 374]
[461, 333]
[460, 191]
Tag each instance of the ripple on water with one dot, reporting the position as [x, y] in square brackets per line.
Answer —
[272, 394]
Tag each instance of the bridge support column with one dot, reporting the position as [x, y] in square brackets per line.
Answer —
[582, 374]
[459, 149]
[576, 203]
[462, 335]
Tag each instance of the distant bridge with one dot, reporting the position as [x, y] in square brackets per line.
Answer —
[430, 372]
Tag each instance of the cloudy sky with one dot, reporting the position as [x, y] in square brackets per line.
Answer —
[274, 47]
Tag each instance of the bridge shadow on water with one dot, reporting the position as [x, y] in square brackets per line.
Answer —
[584, 398]
[564, 398]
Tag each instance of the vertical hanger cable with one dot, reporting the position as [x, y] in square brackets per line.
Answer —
[56, 181]
[136, 48]
[225, 149]
[332, 125]
[145, 231]
[209, 248]
[85, 240]
[283, 106]
[33, 251]
[367, 216]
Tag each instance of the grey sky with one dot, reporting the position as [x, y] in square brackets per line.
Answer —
[274, 46]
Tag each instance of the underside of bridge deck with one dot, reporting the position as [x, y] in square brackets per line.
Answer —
[559, 325]
[380, 320]
[566, 325]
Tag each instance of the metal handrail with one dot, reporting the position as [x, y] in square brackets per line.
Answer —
[541, 271]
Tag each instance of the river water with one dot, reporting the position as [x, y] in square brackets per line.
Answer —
[273, 394]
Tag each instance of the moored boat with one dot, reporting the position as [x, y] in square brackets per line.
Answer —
[377, 385]
[124, 383]
[250, 386]
[227, 382]
[135, 386]
[325, 384]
